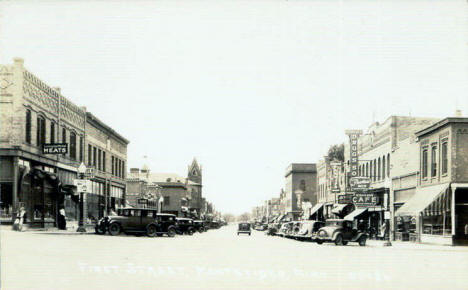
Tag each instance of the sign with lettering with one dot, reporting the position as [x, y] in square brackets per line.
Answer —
[83, 185]
[335, 168]
[359, 183]
[345, 198]
[142, 201]
[365, 199]
[353, 151]
[90, 171]
[55, 148]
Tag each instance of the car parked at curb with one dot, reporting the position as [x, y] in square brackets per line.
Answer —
[137, 221]
[199, 226]
[307, 230]
[340, 232]
[184, 226]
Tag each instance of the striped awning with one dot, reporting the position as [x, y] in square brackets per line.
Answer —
[429, 199]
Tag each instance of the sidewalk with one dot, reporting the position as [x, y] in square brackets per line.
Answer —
[415, 246]
[71, 230]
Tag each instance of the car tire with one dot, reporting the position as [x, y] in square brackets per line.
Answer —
[362, 241]
[339, 240]
[190, 231]
[100, 231]
[345, 243]
[151, 231]
[171, 232]
[319, 242]
[114, 229]
[200, 230]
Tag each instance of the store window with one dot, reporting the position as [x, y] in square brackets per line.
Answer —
[28, 126]
[424, 163]
[41, 131]
[433, 161]
[444, 158]
[72, 145]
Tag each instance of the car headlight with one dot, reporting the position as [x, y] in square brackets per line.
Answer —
[322, 234]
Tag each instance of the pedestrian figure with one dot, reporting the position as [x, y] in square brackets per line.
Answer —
[18, 224]
[466, 230]
[62, 221]
[383, 230]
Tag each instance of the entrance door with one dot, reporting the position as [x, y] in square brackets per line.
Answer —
[461, 215]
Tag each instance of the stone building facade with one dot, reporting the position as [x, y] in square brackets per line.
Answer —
[300, 186]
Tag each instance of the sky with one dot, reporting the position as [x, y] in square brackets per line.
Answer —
[246, 87]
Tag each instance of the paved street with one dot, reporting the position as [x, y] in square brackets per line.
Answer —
[219, 259]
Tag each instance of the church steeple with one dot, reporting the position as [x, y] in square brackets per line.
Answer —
[195, 172]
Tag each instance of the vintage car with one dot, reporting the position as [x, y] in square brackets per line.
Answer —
[340, 232]
[244, 228]
[137, 221]
[272, 229]
[260, 227]
[285, 229]
[294, 228]
[185, 226]
[199, 226]
[307, 230]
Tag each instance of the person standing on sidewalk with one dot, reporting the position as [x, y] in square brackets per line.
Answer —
[62, 221]
[18, 223]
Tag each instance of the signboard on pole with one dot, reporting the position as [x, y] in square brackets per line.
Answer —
[55, 148]
[83, 185]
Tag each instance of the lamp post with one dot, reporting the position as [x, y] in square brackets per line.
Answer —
[81, 228]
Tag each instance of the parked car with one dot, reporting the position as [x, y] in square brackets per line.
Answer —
[184, 226]
[244, 228]
[137, 221]
[260, 227]
[273, 229]
[199, 226]
[308, 229]
[285, 229]
[340, 232]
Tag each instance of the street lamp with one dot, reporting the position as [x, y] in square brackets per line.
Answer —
[81, 172]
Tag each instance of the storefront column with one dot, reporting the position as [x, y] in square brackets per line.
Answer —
[15, 188]
[454, 189]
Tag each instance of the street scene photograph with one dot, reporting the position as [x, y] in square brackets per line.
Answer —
[233, 144]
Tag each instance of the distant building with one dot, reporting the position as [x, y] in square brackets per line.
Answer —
[301, 186]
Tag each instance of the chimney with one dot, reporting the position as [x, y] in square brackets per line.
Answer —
[134, 170]
[458, 113]
[18, 61]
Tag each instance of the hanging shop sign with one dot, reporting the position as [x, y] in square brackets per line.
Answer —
[335, 168]
[345, 198]
[353, 151]
[365, 199]
[55, 148]
[359, 183]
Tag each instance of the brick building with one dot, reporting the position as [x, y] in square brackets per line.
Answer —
[436, 210]
[33, 114]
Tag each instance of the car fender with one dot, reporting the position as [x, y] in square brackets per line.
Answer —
[335, 234]
[358, 236]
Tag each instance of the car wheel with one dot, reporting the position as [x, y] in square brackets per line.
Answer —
[319, 242]
[171, 232]
[151, 231]
[100, 231]
[200, 230]
[190, 232]
[345, 243]
[114, 229]
[339, 240]
[362, 241]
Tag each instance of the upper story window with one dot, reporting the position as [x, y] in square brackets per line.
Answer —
[103, 161]
[52, 132]
[424, 163]
[28, 126]
[81, 148]
[72, 145]
[388, 165]
[444, 158]
[90, 155]
[383, 168]
[94, 156]
[433, 161]
[167, 200]
[41, 131]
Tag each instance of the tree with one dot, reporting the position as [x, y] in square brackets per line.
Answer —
[229, 218]
[245, 217]
[336, 152]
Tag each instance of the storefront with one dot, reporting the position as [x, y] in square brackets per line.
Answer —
[427, 216]
[316, 213]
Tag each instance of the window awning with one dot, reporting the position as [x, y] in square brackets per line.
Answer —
[355, 213]
[316, 208]
[338, 208]
[423, 197]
